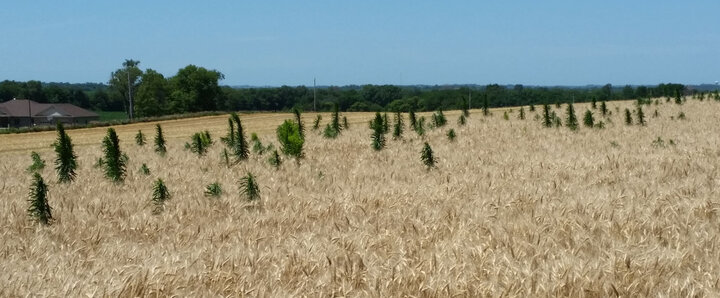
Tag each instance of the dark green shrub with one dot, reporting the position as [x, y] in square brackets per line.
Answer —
[37, 162]
[506, 116]
[213, 190]
[603, 108]
[681, 116]
[140, 138]
[594, 103]
[249, 187]
[588, 120]
[291, 142]
[427, 157]
[159, 141]
[39, 208]
[198, 144]
[532, 108]
[521, 116]
[678, 98]
[160, 195]
[420, 126]
[66, 161]
[114, 161]
[571, 120]
[346, 126]
[462, 120]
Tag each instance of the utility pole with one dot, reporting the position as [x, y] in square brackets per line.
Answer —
[314, 97]
[130, 112]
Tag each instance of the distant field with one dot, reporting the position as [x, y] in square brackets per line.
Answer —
[512, 209]
[110, 116]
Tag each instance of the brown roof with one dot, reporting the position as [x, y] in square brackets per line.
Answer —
[27, 108]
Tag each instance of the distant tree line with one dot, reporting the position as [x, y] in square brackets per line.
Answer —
[196, 89]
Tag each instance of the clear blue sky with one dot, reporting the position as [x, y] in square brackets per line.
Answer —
[276, 43]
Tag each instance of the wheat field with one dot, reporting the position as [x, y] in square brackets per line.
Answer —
[512, 209]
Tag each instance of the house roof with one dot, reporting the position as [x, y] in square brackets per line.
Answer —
[29, 108]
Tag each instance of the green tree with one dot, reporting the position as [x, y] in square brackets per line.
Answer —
[603, 108]
[66, 161]
[298, 119]
[39, 207]
[125, 81]
[152, 95]
[196, 89]
[113, 160]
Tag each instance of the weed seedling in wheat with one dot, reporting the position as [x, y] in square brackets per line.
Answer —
[66, 161]
[378, 137]
[628, 117]
[298, 119]
[274, 159]
[37, 162]
[451, 135]
[159, 141]
[240, 148]
[144, 170]
[571, 120]
[427, 157]
[39, 208]
[160, 194]
[640, 116]
[213, 190]
[316, 124]
[398, 127]
[588, 119]
[114, 161]
[291, 142]
[249, 187]
[140, 138]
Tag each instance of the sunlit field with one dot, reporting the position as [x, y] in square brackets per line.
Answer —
[512, 209]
